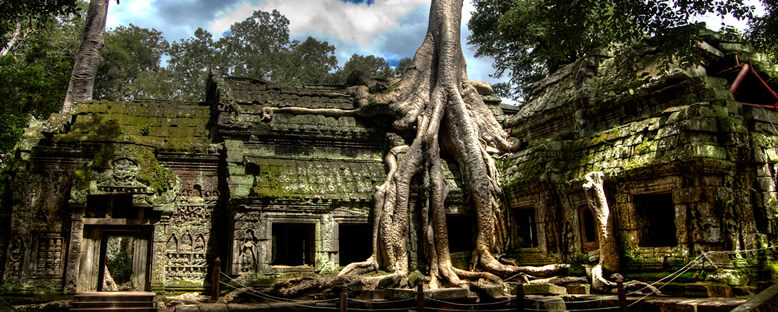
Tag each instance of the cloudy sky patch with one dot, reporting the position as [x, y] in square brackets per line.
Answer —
[392, 29]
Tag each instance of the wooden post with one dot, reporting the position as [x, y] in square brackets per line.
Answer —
[344, 299]
[420, 296]
[216, 278]
[520, 298]
[622, 295]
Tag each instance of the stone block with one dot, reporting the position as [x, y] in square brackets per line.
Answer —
[544, 303]
[700, 124]
[760, 156]
[544, 289]
[735, 47]
[578, 289]
[766, 184]
[772, 154]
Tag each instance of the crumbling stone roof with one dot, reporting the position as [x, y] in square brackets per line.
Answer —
[285, 178]
[254, 91]
[173, 126]
[604, 90]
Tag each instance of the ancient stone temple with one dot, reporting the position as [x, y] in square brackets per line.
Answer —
[146, 195]
[688, 154]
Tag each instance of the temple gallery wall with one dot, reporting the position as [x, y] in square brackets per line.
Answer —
[154, 191]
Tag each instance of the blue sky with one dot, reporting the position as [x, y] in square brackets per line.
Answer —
[392, 29]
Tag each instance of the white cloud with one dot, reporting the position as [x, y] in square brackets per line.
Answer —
[356, 28]
[388, 28]
[344, 21]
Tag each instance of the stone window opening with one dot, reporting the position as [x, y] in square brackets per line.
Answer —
[523, 228]
[655, 220]
[589, 233]
[293, 244]
[355, 242]
[460, 232]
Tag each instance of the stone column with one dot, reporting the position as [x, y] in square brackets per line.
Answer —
[159, 253]
[74, 248]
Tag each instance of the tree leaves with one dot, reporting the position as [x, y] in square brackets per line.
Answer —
[130, 52]
[531, 38]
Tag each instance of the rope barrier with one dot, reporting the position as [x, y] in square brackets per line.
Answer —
[684, 268]
[471, 309]
[668, 283]
[269, 296]
[290, 302]
[584, 301]
[265, 296]
[381, 302]
[740, 251]
[574, 310]
[469, 304]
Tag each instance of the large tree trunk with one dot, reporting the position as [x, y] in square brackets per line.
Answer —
[435, 98]
[609, 248]
[82, 79]
[15, 37]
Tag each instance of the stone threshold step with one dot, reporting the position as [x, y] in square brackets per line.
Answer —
[108, 304]
[115, 309]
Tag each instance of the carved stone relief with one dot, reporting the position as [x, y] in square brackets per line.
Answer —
[16, 255]
[49, 254]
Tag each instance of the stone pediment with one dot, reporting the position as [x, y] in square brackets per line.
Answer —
[122, 177]
[133, 170]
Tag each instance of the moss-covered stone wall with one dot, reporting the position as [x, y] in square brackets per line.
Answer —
[678, 133]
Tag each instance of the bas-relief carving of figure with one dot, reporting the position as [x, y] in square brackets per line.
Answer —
[248, 255]
[569, 238]
[199, 244]
[124, 171]
[16, 253]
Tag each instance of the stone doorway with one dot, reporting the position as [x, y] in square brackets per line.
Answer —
[124, 261]
[115, 259]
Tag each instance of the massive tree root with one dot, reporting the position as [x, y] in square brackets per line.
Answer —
[435, 98]
[609, 249]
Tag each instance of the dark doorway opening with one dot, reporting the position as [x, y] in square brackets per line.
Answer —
[293, 244]
[124, 261]
[460, 232]
[588, 229]
[355, 242]
[524, 232]
[655, 220]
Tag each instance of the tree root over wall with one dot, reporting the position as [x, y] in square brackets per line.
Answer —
[434, 99]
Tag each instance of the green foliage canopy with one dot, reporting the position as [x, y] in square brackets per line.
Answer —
[530, 38]
[16, 14]
[763, 32]
[34, 76]
[130, 65]
[371, 65]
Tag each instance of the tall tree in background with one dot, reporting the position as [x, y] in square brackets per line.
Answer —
[531, 38]
[309, 62]
[34, 76]
[85, 67]
[402, 66]
[373, 66]
[763, 32]
[257, 46]
[20, 18]
[190, 61]
[130, 65]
